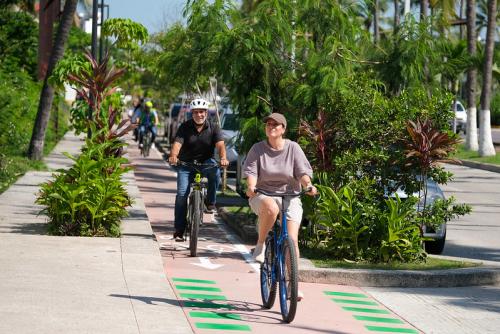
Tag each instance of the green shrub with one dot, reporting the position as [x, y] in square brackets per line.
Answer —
[18, 41]
[18, 105]
[89, 199]
[356, 223]
[495, 109]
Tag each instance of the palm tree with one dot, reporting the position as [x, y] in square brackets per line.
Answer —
[376, 30]
[396, 15]
[486, 147]
[424, 5]
[471, 135]
[35, 150]
[482, 16]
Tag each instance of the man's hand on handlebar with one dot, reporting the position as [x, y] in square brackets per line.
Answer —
[173, 160]
[224, 162]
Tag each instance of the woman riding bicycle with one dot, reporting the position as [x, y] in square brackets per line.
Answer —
[276, 165]
[148, 121]
[196, 140]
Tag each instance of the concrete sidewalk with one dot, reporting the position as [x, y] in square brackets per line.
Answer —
[75, 284]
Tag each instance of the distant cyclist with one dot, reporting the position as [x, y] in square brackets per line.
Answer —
[148, 121]
[135, 114]
[196, 140]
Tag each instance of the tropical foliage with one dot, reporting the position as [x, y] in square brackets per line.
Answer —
[348, 102]
[90, 198]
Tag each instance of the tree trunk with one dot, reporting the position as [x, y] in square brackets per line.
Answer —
[35, 151]
[486, 147]
[424, 5]
[396, 15]
[471, 129]
[376, 31]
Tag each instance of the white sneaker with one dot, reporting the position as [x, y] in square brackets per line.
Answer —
[258, 253]
[300, 295]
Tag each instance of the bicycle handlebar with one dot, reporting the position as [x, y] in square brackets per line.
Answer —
[302, 192]
[196, 164]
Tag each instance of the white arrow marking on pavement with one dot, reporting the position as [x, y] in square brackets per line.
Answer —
[220, 248]
[205, 263]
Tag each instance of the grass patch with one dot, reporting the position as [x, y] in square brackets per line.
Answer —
[13, 167]
[464, 154]
[240, 210]
[322, 259]
[228, 193]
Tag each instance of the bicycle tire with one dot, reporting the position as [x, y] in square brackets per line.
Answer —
[268, 283]
[288, 281]
[147, 143]
[197, 216]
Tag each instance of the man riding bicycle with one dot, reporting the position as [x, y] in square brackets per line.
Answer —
[148, 121]
[196, 140]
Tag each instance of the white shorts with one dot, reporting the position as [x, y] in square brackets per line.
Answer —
[293, 212]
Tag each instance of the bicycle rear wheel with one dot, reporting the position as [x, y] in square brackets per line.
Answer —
[196, 217]
[289, 281]
[267, 281]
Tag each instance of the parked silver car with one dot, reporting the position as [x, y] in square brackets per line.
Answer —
[460, 118]
[438, 235]
[230, 131]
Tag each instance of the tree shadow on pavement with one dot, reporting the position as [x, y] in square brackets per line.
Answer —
[471, 252]
[149, 300]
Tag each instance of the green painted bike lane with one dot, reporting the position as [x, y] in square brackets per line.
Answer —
[219, 291]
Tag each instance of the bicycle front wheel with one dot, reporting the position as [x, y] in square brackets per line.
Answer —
[289, 280]
[196, 217]
[147, 143]
[267, 276]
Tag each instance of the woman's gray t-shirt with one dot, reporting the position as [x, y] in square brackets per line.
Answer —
[277, 170]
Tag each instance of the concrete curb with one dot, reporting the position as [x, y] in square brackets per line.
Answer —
[245, 231]
[483, 275]
[480, 165]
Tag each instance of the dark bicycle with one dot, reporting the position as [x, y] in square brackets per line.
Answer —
[280, 263]
[196, 200]
[146, 142]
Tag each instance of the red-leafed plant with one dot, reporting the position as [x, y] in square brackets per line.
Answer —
[319, 134]
[426, 148]
[95, 85]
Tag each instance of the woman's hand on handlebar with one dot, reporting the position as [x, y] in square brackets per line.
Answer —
[251, 192]
[311, 190]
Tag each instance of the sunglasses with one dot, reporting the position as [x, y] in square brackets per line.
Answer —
[272, 124]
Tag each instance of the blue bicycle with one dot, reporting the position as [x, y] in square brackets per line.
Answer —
[280, 263]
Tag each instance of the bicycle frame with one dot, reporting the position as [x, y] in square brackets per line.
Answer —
[278, 240]
[146, 141]
[196, 199]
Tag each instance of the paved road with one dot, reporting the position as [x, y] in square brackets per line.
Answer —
[476, 236]
[222, 283]
[495, 135]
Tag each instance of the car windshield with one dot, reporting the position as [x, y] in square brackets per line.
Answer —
[460, 107]
[230, 122]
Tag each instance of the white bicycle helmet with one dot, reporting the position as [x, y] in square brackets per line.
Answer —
[199, 104]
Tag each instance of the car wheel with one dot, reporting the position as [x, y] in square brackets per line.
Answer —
[435, 246]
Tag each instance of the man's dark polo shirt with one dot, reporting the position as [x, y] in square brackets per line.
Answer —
[196, 145]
